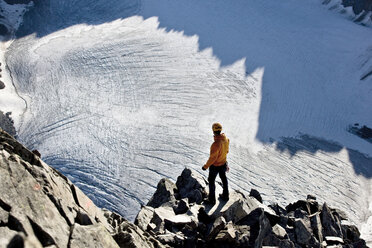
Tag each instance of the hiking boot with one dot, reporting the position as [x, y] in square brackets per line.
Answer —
[224, 197]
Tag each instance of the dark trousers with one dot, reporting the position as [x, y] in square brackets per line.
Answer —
[213, 171]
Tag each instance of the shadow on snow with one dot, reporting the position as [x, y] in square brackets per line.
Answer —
[234, 30]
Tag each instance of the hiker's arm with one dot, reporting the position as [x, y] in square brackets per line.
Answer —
[213, 155]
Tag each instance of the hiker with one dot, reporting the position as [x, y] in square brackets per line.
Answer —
[217, 163]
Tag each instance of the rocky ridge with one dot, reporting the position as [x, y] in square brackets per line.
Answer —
[177, 216]
[40, 207]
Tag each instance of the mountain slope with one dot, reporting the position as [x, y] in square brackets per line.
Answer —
[121, 97]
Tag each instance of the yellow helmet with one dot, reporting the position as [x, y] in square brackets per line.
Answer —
[216, 127]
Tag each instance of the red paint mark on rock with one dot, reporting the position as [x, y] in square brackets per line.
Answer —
[37, 186]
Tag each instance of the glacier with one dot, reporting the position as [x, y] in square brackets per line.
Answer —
[119, 94]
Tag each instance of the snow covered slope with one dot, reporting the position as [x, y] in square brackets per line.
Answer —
[122, 93]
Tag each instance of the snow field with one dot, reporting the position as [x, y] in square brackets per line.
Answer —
[118, 106]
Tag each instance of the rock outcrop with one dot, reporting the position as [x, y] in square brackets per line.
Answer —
[243, 221]
[39, 207]
[361, 9]
[6, 123]
[358, 5]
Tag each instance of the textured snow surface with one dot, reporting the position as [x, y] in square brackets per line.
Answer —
[123, 93]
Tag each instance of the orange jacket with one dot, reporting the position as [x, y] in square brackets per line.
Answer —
[219, 150]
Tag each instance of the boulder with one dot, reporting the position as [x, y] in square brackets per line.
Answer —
[31, 208]
[228, 234]
[301, 204]
[255, 194]
[311, 198]
[313, 205]
[264, 228]
[279, 232]
[243, 236]
[144, 217]
[351, 232]
[216, 227]
[172, 239]
[7, 123]
[165, 192]
[91, 236]
[238, 207]
[131, 236]
[2, 85]
[164, 219]
[182, 206]
[192, 186]
[39, 207]
[331, 224]
[278, 209]
[316, 225]
[303, 232]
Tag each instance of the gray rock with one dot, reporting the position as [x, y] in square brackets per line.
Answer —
[91, 236]
[165, 192]
[254, 193]
[243, 236]
[278, 209]
[83, 218]
[192, 186]
[301, 205]
[131, 236]
[21, 240]
[238, 207]
[144, 217]
[316, 225]
[182, 206]
[85, 203]
[331, 224]
[271, 241]
[172, 239]
[339, 213]
[216, 227]
[303, 232]
[7, 124]
[264, 229]
[165, 219]
[351, 232]
[313, 206]
[280, 232]
[2, 85]
[6, 235]
[4, 216]
[30, 206]
[228, 234]
[310, 197]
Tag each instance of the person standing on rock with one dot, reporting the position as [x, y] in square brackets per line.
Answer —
[217, 163]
